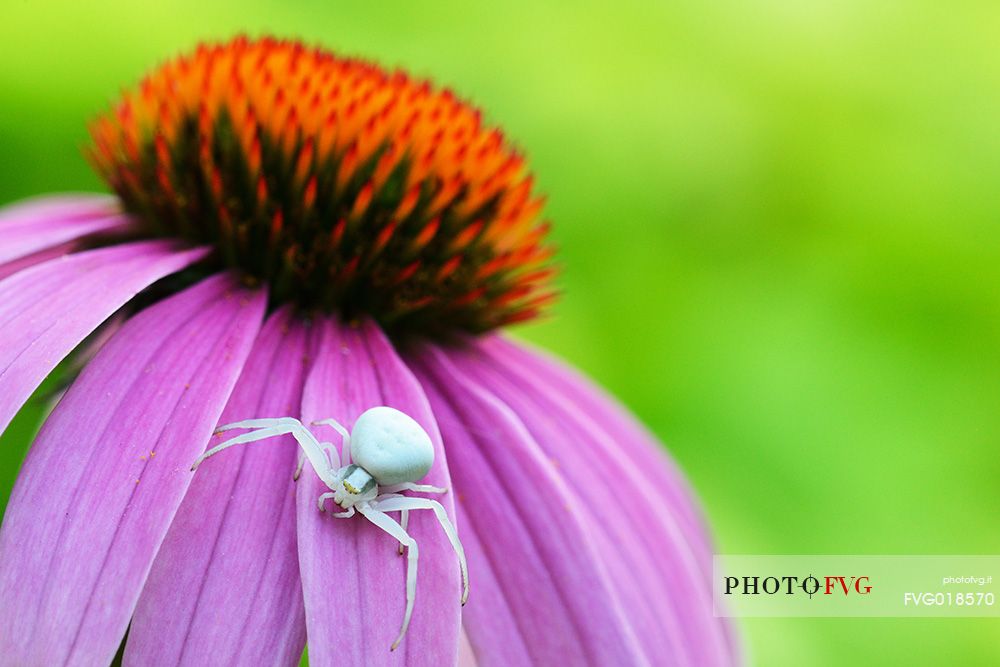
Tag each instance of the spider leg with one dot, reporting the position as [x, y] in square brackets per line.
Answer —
[408, 503]
[346, 514]
[267, 428]
[410, 486]
[339, 428]
[252, 436]
[331, 453]
[257, 423]
[404, 515]
[386, 523]
[322, 500]
[404, 519]
[335, 424]
[333, 459]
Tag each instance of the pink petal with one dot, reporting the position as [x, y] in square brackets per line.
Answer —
[63, 205]
[21, 263]
[29, 227]
[47, 310]
[108, 471]
[353, 579]
[636, 443]
[225, 588]
[648, 455]
[548, 591]
[657, 561]
[466, 656]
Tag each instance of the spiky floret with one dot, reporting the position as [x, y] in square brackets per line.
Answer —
[343, 186]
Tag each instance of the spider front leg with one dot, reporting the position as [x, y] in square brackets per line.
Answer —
[386, 523]
[268, 428]
[402, 503]
[321, 501]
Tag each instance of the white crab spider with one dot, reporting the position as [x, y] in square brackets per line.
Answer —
[391, 451]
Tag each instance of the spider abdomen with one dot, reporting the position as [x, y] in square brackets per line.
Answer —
[391, 446]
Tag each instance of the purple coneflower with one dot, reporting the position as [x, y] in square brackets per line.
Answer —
[294, 234]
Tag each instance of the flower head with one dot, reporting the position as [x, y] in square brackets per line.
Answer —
[276, 211]
[339, 184]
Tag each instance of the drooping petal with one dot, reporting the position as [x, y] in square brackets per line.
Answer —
[492, 616]
[108, 470]
[21, 242]
[527, 537]
[225, 588]
[29, 227]
[466, 656]
[21, 263]
[656, 559]
[66, 205]
[352, 576]
[47, 310]
[634, 441]
[625, 551]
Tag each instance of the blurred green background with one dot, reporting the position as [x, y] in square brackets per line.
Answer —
[780, 232]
